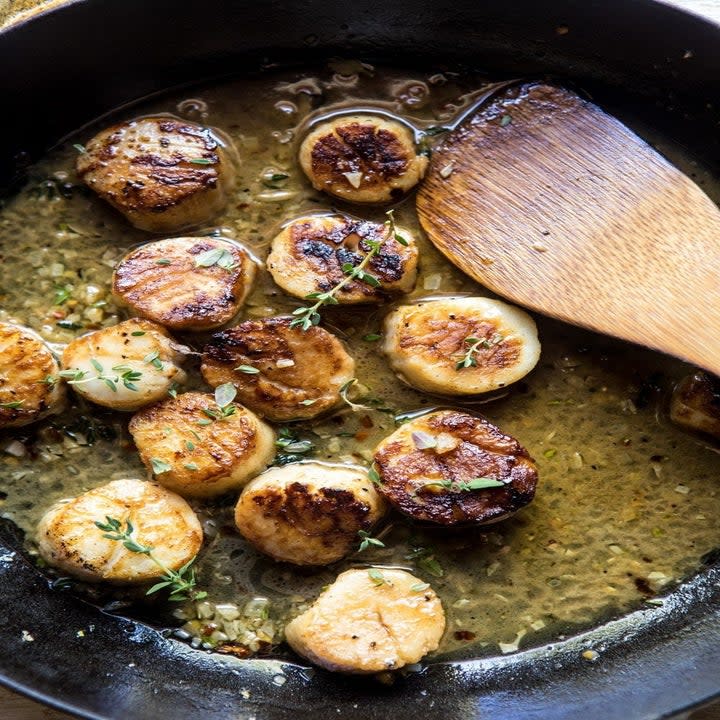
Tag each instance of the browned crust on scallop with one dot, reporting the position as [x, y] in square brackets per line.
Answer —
[483, 451]
[278, 392]
[176, 292]
[696, 404]
[332, 514]
[444, 338]
[222, 444]
[320, 246]
[160, 172]
[359, 147]
[25, 363]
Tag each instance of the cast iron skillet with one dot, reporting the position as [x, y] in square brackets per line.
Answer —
[61, 69]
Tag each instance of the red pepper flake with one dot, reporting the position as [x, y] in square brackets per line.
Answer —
[464, 635]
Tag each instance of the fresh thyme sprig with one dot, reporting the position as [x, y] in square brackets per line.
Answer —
[122, 374]
[224, 395]
[480, 483]
[307, 316]
[181, 583]
[468, 359]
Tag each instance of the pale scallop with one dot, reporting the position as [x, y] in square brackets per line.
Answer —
[164, 174]
[369, 621]
[362, 158]
[69, 540]
[427, 343]
[196, 449]
[187, 283]
[125, 366]
[30, 388]
[308, 513]
[308, 256]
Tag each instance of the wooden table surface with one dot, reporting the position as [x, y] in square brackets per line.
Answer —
[16, 707]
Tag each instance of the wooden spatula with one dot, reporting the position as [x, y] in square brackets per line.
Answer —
[551, 203]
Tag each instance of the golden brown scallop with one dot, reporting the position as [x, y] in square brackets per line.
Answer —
[162, 173]
[125, 366]
[362, 158]
[30, 388]
[282, 373]
[309, 254]
[200, 448]
[69, 540]
[308, 513]
[369, 621]
[460, 345]
[189, 283]
[449, 467]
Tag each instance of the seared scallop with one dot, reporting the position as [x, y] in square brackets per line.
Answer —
[308, 513]
[309, 255]
[69, 539]
[162, 173]
[126, 366]
[187, 283]
[695, 404]
[369, 621]
[461, 345]
[280, 372]
[200, 445]
[362, 158]
[30, 388]
[449, 467]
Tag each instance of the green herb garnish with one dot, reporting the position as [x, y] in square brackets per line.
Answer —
[247, 369]
[306, 317]
[62, 294]
[219, 256]
[366, 541]
[160, 466]
[224, 395]
[377, 577]
[294, 448]
[181, 583]
[480, 483]
[469, 359]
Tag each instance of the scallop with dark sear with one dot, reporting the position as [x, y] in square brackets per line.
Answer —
[282, 373]
[449, 467]
[695, 404]
[188, 283]
[310, 253]
[308, 513]
[162, 173]
[362, 158]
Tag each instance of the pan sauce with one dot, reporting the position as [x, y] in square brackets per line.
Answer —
[626, 503]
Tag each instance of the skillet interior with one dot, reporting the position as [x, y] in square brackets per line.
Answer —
[79, 61]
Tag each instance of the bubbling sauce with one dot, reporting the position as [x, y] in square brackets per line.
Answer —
[626, 506]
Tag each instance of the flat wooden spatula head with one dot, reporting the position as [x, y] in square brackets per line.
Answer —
[557, 206]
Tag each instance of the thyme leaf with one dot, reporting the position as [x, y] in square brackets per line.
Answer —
[181, 583]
